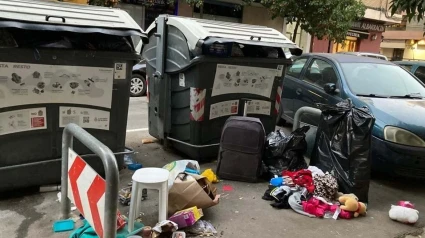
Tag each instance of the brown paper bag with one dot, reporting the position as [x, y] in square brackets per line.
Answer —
[189, 191]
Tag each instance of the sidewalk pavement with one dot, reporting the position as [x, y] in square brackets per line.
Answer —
[241, 212]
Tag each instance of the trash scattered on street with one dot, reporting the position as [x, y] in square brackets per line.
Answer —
[191, 190]
[404, 212]
[130, 163]
[210, 175]
[179, 234]
[227, 188]
[49, 188]
[338, 150]
[73, 207]
[186, 217]
[164, 229]
[63, 225]
[202, 228]
[124, 195]
[180, 166]
[285, 152]
[146, 232]
[149, 141]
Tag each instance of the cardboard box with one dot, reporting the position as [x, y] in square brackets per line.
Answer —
[186, 217]
[190, 191]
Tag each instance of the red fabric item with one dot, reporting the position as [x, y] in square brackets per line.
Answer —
[343, 214]
[315, 207]
[318, 208]
[406, 204]
[302, 178]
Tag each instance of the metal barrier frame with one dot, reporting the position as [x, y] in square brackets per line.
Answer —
[301, 112]
[111, 173]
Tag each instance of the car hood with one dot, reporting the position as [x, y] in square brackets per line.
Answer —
[141, 65]
[403, 113]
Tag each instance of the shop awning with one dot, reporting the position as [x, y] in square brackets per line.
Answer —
[358, 34]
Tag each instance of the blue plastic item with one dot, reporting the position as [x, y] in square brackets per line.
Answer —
[192, 171]
[277, 182]
[63, 225]
[134, 166]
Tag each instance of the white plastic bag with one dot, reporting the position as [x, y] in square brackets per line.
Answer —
[177, 167]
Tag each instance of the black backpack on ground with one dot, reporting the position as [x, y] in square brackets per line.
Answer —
[241, 149]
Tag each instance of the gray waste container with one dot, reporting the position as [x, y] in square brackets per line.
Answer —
[201, 71]
[60, 63]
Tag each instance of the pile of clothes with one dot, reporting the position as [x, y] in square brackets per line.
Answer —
[312, 193]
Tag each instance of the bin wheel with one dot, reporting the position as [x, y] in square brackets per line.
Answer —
[137, 85]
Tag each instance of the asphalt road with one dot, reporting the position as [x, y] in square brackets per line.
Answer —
[241, 212]
[138, 116]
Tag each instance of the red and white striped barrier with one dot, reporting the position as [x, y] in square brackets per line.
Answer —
[86, 189]
[197, 104]
[278, 98]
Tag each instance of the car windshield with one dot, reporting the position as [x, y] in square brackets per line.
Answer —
[381, 79]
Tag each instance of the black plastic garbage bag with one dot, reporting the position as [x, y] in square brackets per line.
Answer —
[343, 145]
[285, 152]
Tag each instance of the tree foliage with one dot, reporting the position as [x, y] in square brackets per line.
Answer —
[411, 7]
[321, 18]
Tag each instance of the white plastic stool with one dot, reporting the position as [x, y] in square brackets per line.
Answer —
[149, 178]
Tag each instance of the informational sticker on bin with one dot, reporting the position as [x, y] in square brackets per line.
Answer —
[23, 120]
[84, 117]
[120, 71]
[244, 79]
[23, 84]
[231, 108]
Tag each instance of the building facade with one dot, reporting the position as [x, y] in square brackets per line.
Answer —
[365, 35]
[404, 41]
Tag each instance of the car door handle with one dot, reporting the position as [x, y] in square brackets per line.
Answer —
[298, 91]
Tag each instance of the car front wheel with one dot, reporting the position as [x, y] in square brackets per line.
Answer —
[138, 85]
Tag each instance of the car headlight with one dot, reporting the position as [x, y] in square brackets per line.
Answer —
[401, 136]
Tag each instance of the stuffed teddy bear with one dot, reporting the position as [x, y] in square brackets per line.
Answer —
[351, 203]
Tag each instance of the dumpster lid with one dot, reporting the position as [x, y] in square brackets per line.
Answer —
[60, 16]
[208, 30]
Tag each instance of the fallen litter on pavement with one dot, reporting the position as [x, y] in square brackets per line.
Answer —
[334, 185]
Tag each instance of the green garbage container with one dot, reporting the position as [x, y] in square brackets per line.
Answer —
[61, 63]
[200, 72]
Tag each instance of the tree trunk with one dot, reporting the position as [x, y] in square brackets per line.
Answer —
[201, 11]
[311, 43]
[329, 46]
[294, 37]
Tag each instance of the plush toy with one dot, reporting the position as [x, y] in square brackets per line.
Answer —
[404, 212]
[351, 203]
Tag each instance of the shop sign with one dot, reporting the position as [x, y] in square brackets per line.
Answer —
[357, 35]
[368, 26]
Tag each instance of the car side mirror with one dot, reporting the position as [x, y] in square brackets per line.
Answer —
[330, 88]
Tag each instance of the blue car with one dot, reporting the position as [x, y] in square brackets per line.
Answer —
[415, 67]
[394, 96]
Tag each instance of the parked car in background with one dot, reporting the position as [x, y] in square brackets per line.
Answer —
[394, 96]
[366, 54]
[415, 67]
[138, 85]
